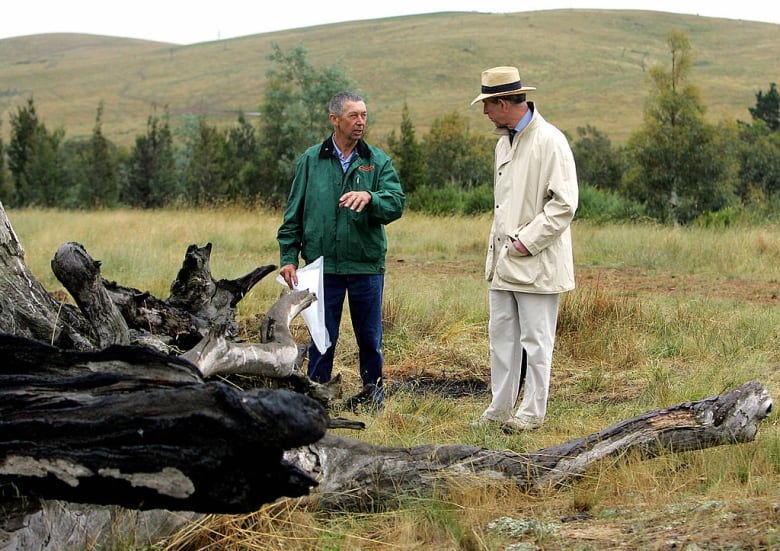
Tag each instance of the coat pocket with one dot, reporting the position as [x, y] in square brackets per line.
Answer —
[515, 268]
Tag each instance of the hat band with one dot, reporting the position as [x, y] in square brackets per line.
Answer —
[502, 88]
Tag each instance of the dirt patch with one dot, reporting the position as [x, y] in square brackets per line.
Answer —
[634, 282]
[629, 281]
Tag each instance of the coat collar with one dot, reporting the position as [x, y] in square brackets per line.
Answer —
[327, 149]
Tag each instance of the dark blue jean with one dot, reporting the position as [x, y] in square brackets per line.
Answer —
[364, 295]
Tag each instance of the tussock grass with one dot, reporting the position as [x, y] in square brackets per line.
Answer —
[660, 316]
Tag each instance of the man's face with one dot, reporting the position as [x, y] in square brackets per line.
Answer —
[352, 123]
[496, 110]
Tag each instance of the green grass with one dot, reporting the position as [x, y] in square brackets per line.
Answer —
[589, 67]
[660, 316]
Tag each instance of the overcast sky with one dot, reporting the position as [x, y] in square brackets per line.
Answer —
[191, 21]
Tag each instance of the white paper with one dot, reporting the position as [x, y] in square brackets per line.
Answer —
[310, 277]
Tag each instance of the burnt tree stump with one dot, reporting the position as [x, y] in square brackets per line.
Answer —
[119, 315]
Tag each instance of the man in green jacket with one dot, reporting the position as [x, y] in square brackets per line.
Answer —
[343, 194]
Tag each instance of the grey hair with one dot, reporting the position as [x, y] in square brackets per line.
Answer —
[336, 104]
[515, 98]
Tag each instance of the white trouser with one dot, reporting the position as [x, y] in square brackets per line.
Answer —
[520, 321]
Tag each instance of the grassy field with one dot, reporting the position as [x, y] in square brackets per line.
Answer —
[660, 316]
[589, 67]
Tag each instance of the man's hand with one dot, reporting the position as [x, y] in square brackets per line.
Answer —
[355, 200]
[520, 247]
[290, 275]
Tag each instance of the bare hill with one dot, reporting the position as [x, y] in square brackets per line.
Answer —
[590, 67]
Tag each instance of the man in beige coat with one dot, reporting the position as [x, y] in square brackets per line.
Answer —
[529, 259]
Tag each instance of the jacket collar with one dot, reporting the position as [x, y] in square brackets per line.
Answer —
[327, 149]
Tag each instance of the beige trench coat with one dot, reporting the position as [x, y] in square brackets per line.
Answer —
[536, 196]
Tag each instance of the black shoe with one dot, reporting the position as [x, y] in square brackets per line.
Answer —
[371, 399]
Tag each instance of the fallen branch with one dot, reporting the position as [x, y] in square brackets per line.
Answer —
[355, 475]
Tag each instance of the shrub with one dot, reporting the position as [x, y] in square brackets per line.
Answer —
[436, 201]
[606, 206]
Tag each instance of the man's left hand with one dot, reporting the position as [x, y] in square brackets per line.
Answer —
[520, 247]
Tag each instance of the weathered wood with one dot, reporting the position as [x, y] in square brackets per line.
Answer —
[80, 275]
[133, 427]
[198, 319]
[126, 425]
[356, 475]
[276, 357]
[26, 309]
[98, 421]
[121, 315]
[108, 313]
[197, 292]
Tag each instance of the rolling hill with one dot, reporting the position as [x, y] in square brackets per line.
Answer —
[589, 67]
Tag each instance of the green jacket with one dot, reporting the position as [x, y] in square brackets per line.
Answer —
[314, 225]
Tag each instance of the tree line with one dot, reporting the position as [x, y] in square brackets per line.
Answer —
[675, 168]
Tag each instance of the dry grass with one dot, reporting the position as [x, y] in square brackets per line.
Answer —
[660, 316]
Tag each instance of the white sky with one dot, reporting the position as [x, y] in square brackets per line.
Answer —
[191, 21]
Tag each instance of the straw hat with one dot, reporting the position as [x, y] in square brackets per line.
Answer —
[501, 81]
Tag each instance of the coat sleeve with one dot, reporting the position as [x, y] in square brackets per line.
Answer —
[387, 199]
[290, 233]
[559, 177]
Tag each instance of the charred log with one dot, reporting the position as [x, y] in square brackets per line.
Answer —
[209, 300]
[198, 319]
[132, 427]
[80, 275]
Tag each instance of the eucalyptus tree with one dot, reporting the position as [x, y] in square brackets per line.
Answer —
[677, 168]
[293, 116]
[454, 157]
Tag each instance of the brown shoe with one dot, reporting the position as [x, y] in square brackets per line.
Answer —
[521, 423]
[485, 421]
